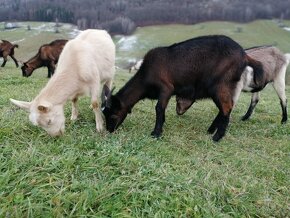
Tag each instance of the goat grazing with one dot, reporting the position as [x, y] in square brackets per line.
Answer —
[7, 49]
[202, 67]
[274, 64]
[85, 63]
[47, 56]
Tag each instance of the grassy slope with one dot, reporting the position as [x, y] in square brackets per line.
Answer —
[30, 41]
[129, 174]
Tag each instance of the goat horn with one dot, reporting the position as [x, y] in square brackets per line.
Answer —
[109, 101]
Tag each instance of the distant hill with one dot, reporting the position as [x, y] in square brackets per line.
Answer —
[122, 16]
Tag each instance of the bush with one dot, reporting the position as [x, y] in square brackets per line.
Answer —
[121, 25]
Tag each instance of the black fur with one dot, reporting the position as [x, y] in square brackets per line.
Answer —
[202, 67]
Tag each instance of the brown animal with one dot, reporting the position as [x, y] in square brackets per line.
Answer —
[47, 56]
[202, 67]
[274, 64]
[7, 49]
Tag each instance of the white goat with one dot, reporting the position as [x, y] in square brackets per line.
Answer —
[85, 63]
[274, 64]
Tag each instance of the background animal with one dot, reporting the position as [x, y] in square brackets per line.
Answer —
[7, 49]
[202, 67]
[274, 63]
[85, 64]
[47, 56]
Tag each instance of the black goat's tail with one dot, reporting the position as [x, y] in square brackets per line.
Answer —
[15, 46]
[258, 71]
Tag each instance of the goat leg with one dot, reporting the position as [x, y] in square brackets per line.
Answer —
[224, 101]
[222, 124]
[4, 62]
[284, 112]
[74, 109]
[160, 113]
[213, 126]
[15, 61]
[254, 102]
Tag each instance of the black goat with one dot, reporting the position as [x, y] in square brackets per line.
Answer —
[202, 67]
[274, 64]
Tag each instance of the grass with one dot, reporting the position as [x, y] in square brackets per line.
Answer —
[130, 174]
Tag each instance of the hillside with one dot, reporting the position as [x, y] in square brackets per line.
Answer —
[132, 48]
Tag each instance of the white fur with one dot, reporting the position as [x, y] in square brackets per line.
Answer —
[287, 56]
[136, 66]
[247, 79]
[85, 64]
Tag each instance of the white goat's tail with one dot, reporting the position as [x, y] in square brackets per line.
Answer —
[287, 56]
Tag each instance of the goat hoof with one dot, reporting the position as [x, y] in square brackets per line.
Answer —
[155, 134]
[217, 137]
[244, 118]
[211, 130]
[283, 121]
[99, 127]
[73, 118]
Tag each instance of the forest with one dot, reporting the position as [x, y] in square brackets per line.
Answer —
[123, 16]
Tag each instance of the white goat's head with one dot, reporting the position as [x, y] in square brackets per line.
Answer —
[44, 114]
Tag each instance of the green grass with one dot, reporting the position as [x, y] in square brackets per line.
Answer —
[130, 174]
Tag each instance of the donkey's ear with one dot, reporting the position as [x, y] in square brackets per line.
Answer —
[21, 104]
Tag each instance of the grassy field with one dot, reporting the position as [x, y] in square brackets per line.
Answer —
[130, 174]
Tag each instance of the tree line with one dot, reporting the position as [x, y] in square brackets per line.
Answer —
[122, 16]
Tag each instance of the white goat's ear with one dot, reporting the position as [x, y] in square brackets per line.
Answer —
[44, 107]
[21, 104]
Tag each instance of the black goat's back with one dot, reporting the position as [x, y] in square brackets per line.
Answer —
[196, 64]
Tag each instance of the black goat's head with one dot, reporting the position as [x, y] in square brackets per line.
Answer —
[114, 113]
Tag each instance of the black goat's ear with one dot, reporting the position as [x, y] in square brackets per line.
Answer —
[105, 93]
[108, 97]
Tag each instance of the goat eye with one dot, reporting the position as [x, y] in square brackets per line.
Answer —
[49, 122]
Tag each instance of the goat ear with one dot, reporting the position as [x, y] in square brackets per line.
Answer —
[105, 93]
[21, 104]
[108, 102]
[44, 107]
